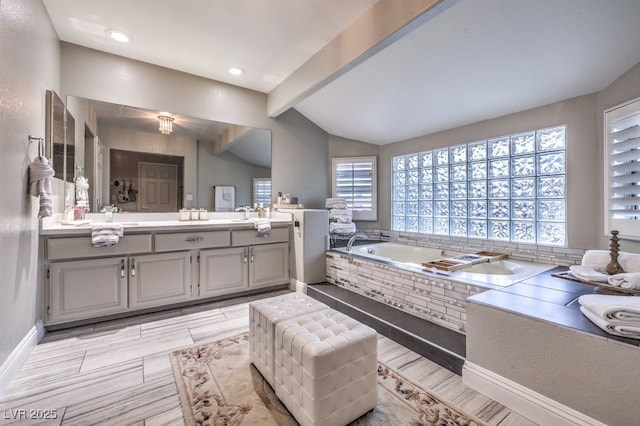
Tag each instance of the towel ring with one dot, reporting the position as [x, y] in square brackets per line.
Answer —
[40, 144]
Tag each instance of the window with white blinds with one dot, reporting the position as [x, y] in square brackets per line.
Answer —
[354, 179]
[622, 166]
[262, 192]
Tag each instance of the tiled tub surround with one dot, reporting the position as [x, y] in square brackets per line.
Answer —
[439, 298]
[430, 297]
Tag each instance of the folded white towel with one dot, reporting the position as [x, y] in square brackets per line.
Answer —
[587, 273]
[617, 329]
[596, 259]
[629, 280]
[40, 174]
[336, 203]
[613, 308]
[630, 262]
[263, 226]
[106, 234]
[341, 215]
[342, 228]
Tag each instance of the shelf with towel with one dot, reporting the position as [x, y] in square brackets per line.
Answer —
[608, 288]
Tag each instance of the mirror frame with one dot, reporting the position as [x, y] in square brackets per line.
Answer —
[53, 105]
[57, 112]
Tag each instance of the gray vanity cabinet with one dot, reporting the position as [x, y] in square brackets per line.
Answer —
[268, 265]
[86, 288]
[156, 269]
[223, 271]
[159, 279]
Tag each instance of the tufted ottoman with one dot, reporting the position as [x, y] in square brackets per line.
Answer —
[326, 367]
[264, 314]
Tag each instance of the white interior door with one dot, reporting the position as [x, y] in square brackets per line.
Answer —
[158, 187]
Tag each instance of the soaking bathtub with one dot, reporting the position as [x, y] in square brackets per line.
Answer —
[500, 273]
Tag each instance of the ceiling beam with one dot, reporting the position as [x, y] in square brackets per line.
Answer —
[381, 25]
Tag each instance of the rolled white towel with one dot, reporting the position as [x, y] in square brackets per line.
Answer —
[336, 203]
[341, 215]
[596, 259]
[629, 280]
[587, 273]
[622, 309]
[630, 262]
[342, 228]
[617, 329]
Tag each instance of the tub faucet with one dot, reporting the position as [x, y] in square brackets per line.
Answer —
[352, 239]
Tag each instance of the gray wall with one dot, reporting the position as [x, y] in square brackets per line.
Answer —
[299, 148]
[30, 54]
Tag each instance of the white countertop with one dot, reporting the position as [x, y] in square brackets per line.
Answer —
[146, 222]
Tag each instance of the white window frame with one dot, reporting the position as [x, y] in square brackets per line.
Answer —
[359, 212]
[627, 223]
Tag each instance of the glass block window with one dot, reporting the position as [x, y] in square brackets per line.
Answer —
[622, 170]
[510, 188]
[262, 192]
[354, 179]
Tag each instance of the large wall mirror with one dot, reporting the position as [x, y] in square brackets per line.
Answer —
[134, 163]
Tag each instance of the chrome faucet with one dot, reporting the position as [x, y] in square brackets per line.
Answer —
[352, 239]
[246, 210]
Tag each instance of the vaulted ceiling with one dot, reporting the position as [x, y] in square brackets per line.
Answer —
[360, 69]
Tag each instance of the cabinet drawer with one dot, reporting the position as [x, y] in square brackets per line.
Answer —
[79, 247]
[192, 240]
[247, 237]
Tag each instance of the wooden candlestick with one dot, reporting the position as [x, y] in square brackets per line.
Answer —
[614, 248]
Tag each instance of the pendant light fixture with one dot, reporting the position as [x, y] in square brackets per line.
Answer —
[166, 124]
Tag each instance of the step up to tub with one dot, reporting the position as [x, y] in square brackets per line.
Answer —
[451, 264]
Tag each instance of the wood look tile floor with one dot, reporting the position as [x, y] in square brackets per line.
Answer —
[118, 372]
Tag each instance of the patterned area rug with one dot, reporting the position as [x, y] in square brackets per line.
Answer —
[219, 386]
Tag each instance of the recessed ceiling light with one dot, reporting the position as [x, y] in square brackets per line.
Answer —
[118, 35]
[236, 71]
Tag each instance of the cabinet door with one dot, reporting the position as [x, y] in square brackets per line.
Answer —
[86, 289]
[159, 279]
[268, 265]
[223, 271]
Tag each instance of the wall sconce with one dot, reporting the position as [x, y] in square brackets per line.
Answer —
[166, 124]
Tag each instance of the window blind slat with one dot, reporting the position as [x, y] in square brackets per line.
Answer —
[626, 133]
[626, 157]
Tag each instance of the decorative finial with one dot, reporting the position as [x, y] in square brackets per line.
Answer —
[614, 248]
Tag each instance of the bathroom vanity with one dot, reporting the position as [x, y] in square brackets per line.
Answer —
[157, 263]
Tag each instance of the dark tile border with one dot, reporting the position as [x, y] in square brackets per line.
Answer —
[441, 345]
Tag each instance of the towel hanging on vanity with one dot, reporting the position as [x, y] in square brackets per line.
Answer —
[263, 226]
[106, 234]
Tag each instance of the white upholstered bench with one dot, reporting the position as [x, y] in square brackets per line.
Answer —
[326, 367]
[264, 314]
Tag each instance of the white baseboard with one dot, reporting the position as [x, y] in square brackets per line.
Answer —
[526, 402]
[19, 355]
